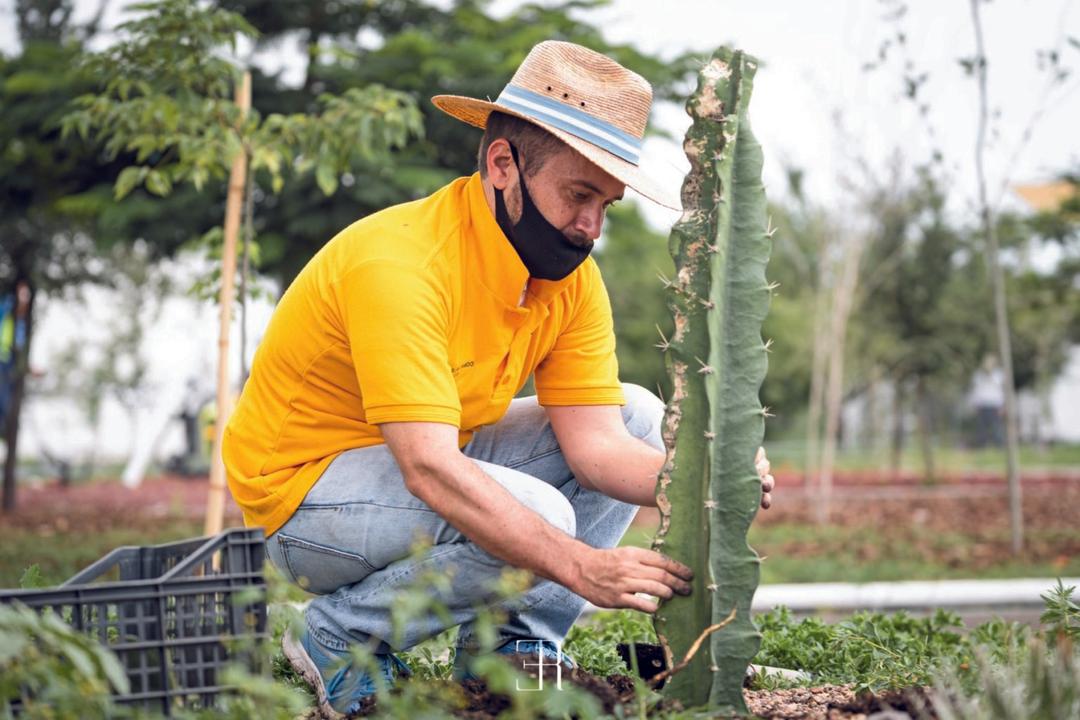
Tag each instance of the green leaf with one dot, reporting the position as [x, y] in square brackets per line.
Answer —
[158, 183]
[113, 671]
[326, 177]
[129, 178]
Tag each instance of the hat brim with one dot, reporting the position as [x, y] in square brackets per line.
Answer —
[475, 112]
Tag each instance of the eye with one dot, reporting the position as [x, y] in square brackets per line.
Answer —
[579, 196]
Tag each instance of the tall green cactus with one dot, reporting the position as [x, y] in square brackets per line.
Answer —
[709, 490]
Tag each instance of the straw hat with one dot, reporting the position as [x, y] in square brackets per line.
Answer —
[587, 100]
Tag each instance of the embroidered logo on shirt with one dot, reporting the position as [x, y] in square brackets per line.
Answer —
[462, 366]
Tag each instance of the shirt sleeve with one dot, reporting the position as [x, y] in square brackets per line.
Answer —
[397, 322]
[581, 368]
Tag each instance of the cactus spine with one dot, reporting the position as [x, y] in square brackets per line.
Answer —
[709, 491]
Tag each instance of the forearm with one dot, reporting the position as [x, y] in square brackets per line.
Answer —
[486, 513]
[622, 467]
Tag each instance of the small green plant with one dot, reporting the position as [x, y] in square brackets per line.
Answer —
[592, 644]
[1062, 614]
[1042, 683]
[872, 651]
[32, 578]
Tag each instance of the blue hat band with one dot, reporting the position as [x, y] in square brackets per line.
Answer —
[569, 119]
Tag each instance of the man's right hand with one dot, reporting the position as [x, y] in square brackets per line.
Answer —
[610, 578]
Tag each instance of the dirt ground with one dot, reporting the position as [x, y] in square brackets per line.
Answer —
[973, 502]
[102, 504]
[924, 517]
[927, 517]
[826, 702]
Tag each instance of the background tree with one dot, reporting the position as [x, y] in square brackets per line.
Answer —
[631, 258]
[56, 213]
[419, 49]
[167, 100]
[918, 324]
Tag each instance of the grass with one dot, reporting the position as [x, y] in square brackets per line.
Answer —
[790, 455]
[59, 553]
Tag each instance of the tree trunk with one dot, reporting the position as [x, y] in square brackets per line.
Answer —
[897, 429]
[11, 431]
[817, 374]
[926, 427]
[997, 277]
[834, 392]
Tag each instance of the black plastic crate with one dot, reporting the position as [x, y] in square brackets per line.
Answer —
[172, 613]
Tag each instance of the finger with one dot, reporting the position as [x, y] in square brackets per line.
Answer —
[768, 483]
[660, 575]
[635, 602]
[766, 500]
[672, 566]
[651, 587]
[668, 579]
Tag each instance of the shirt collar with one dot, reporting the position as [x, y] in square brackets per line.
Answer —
[499, 267]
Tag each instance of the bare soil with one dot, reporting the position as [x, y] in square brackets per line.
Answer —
[826, 702]
[101, 504]
[926, 518]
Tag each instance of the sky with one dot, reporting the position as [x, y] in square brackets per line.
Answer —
[815, 107]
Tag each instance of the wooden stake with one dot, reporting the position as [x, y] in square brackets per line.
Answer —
[215, 501]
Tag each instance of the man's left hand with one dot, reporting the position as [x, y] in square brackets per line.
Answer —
[767, 480]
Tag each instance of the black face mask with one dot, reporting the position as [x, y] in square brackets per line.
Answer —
[546, 252]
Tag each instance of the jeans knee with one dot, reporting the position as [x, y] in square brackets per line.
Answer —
[643, 414]
[553, 506]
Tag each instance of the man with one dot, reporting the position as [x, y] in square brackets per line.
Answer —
[379, 407]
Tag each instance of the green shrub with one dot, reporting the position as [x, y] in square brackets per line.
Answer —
[53, 670]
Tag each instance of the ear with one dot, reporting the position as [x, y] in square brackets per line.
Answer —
[500, 164]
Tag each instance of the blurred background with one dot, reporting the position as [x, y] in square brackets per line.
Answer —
[887, 383]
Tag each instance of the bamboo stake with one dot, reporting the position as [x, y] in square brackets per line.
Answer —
[215, 501]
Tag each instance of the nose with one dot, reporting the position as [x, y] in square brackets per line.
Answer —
[590, 221]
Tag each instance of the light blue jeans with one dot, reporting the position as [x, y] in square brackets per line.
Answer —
[351, 539]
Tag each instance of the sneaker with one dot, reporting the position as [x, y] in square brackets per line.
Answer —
[339, 686]
[529, 648]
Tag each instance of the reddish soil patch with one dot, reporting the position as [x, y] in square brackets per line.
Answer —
[930, 524]
[101, 504]
[921, 518]
[927, 523]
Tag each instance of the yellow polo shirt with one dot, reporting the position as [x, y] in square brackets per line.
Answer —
[410, 314]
